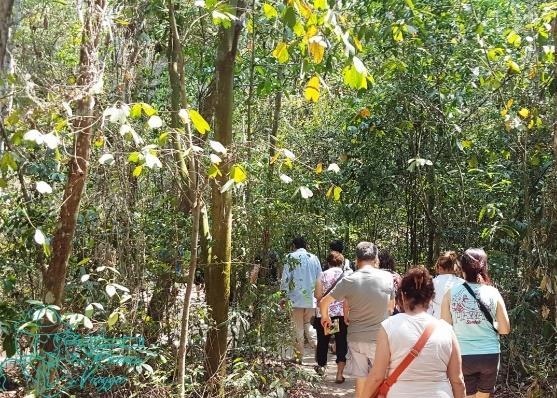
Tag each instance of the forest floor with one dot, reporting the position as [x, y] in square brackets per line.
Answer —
[327, 388]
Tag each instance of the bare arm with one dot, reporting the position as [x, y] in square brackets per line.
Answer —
[454, 371]
[379, 369]
[446, 308]
[318, 293]
[324, 308]
[503, 323]
[346, 311]
[391, 306]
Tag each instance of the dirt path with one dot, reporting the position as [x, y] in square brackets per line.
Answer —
[328, 388]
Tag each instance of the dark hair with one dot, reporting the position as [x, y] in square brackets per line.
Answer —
[299, 242]
[336, 246]
[417, 287]
[448, 261]
[386, 261]
[335, 259]
[366, 251]
[474, 266]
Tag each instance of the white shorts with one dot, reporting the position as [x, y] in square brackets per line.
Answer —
[359, 359]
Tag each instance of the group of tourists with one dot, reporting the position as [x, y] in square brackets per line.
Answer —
[399, 336]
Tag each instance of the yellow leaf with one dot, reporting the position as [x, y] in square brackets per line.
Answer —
[320, 4]
[330, 191]
[365, 113]
[312, 91]
[137, 171]
[198, 121]
[281, 52]
[524, 113]
[148, 109]
[303, 8]
[310, 32]
[269, 11]
[274, 158]
[288, 163]
[299, 29]
[336, 193]
[513, 67]
[316, 48]
[238, 173]
[358, 44]
[319, 168]
[509, 103]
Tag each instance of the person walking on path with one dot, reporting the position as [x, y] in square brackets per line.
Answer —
[299, 276]
[370, 295]
[478, 315]
[446, 266]
[338, 246]
[325, 282]
[436, 369]
[387, 262]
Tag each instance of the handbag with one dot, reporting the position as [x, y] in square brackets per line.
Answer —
[313, 318]
[483, 307]
[384, 388]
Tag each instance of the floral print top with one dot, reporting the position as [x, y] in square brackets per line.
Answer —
[328, 278]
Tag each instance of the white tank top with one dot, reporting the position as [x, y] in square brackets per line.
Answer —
[427, 374]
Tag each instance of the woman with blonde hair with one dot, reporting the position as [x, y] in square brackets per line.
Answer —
[446, 266]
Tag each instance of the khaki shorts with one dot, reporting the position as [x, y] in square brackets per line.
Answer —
[359, 359]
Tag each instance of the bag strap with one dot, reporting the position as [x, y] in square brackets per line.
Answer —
[333, 285]
[482, 306]
[413, 354]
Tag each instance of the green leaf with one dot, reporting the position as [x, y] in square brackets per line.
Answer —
[135, 157]
[83, 261]
[269, 11]
[199, 122]
[514, 38]
[112, 319]
[289, 17]
[238, 173]
[494, 53]
[214, 171]
[513, 67]
[336, 193]
[355, 77]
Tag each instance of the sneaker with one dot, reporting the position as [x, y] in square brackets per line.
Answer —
[320, 370]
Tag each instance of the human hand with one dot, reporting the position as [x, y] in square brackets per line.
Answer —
[346, 320]
[325, 322]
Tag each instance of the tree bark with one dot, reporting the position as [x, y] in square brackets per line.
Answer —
[5, 18]
[188, 183]
[218, 271]
[89, 73]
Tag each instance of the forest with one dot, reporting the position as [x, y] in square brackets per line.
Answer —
[158, 156]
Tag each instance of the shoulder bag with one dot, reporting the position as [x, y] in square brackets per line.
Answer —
[384, 388]
[483, 307]
[314, 317]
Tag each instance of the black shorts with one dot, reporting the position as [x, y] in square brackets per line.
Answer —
[480, 372]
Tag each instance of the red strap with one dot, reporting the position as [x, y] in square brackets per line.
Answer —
[413, 354]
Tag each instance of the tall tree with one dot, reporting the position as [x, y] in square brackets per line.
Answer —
[89, 75]
[5, 17]
[218, 271]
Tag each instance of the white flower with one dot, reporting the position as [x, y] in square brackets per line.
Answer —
[334, 168]
[217, 147]
[154, 122]
[183, 115]
[51, 141]
[39, 237]
[288, 154]
[43, 187]
[152, 161]
[284, 178]
[215, 159]
[107, 159]
[34, 135]
[305, 192]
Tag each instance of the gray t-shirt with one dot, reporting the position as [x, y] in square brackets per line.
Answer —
[368, 292]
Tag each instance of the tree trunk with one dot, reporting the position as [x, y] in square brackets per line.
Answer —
[5, 18]
[218, 271]
[89, 73]
[188, 182]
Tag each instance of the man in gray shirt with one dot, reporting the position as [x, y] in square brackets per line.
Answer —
[369, 293]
